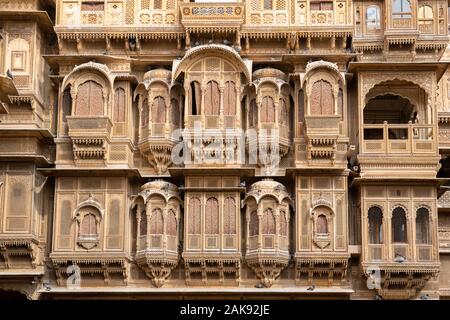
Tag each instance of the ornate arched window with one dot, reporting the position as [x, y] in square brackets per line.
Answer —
[425, 17]
[423, 226]
[373, 21]
[268, 222]
[212, 99]
[283, 223]
[375, 225]
[89, 99]
[194, 216]
[399, 234]
[253, 224]
[401, 9]
[267, 110]
[158, 110]
[175, 112]
[212, 216]
[229, 99]
[88, 226]
[229, 216]
[283, 113]
[144, 113]
[253, 113]
[171, 223]
[156, 222]
[119, 105]
[321, 224]
[322, 101]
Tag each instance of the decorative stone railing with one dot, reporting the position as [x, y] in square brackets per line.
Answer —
[212, 14]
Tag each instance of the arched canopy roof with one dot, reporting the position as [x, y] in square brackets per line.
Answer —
[220, 50]
[98, 68]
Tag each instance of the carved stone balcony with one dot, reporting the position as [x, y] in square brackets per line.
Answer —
[212, 16]
[267, 217]
[400, 279]
[322, 134]
[90, 137]
[157, 215]
[19, 252]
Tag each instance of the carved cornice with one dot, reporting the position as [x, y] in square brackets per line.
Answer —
[268, 188]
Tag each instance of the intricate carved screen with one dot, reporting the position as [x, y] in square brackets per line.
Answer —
[229, 216]
[119, 105]
[171, 223]
[88, 226]
[253, 224]
[322, 98]
[283, 224]
[159, 110]
[194, 216]
[143, 226]
[212, 99]
[212, 216]
[321, 224]
[268, 222]
[145, 113]
[229, 99]
[89, 99]
[267, 110]
[156, 222]
[283, 113]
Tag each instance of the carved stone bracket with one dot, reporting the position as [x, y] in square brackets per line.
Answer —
[268, 270]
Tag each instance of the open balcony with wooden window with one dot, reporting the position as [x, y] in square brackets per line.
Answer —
[398, 132]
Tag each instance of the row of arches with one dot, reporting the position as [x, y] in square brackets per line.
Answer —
[399, 225]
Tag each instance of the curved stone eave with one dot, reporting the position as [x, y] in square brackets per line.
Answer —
[97, 67]
[191, 54]
[259, 198]
[322, 64]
